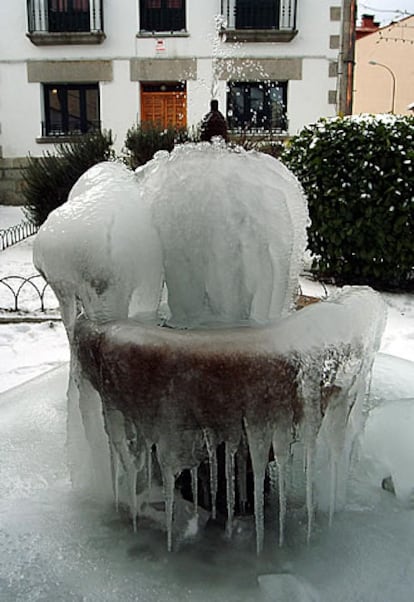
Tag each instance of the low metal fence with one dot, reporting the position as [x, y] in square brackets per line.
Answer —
[14, 234]
[26, 294]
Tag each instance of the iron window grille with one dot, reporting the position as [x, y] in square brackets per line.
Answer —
[65, 16]
[162, 15]
[257, 14]
[68, 15]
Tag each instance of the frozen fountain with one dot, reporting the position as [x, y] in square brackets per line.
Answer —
[192, 372]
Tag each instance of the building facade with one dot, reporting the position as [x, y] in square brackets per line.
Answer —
[70, 66]
[384, 69]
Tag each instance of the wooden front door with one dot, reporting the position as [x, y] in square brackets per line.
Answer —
[164, 105]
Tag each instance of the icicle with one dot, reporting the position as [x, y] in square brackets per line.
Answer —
[282, 438]
[230, 494]
[116, 464]
[212, 458]
[194, 488]
[332, 492]
[272, 472]
[309, 489]
[169, 484]
[241, 460]
[134, 509]
[149, 467]
[310, 378]
[282, 503]
[259, 438]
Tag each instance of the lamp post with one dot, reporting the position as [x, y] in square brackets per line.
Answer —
[393, 82]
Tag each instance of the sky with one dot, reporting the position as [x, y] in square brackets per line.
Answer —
[386, 10]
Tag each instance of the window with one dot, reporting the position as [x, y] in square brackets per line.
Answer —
[162, 15]
[68, 15]
[257, 14]
[70, 109]
[257, 106]
[164, 104]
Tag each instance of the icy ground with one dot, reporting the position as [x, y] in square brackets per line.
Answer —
[57, 546]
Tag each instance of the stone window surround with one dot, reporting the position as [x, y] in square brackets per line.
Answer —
[45, 72]
[163, 69]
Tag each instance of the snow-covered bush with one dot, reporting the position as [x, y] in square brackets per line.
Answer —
[143, 140]
[49, 179]
[358, 174]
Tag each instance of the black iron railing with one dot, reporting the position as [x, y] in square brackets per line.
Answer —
[164, 16]
[260, 14]
[14, 234]
[251, 14]
[26, 294]
[53, 129]
[65, 16]
[69, 19]
[249, 131]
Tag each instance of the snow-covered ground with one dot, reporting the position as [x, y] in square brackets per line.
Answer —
[10, 216]
[58, 546]
[27, 349]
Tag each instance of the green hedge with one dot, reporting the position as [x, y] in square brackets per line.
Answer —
[144, 140]
[49, 179]
[358, 175]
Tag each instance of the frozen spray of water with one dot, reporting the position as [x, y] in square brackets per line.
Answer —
[222, 232]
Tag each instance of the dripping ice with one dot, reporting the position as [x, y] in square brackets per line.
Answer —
[177, 285]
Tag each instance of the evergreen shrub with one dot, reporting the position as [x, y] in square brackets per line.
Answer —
[48, 179]
[358, 175]
[145, 139]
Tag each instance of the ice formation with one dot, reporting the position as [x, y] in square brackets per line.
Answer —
[218, 370]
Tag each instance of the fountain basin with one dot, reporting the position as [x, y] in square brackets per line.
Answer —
[177, 395]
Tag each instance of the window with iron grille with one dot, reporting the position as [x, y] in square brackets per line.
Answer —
[162, 15]
[257, 14]
[68, 15]
[257, 106]
[70, 109]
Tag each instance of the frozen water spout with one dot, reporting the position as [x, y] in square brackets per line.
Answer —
[188, 396]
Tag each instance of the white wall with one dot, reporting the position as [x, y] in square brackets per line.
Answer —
[308, 98]
[119, 103]
[20, 102]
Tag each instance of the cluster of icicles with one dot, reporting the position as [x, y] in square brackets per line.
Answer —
[235, 479]
[222, 359]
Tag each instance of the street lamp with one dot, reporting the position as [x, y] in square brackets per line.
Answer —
[393, 82]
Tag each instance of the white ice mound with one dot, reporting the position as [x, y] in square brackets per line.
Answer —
[233, 231]
[101, 247]
[226, 228]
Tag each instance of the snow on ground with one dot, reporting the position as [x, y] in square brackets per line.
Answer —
[26, 349]
[57, 546]
[10, 216]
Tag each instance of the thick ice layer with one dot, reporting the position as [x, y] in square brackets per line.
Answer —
[186, 392]
[101, 247]
[226, 227]
[232, 226]
[223, 232]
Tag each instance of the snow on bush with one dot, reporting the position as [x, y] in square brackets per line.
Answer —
[358, 174]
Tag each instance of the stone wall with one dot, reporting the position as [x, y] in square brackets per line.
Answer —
[11, 181]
